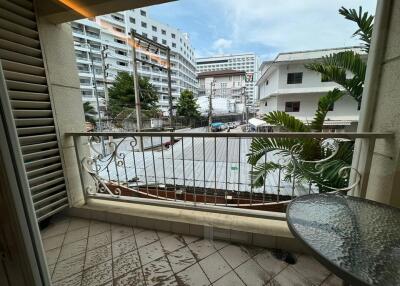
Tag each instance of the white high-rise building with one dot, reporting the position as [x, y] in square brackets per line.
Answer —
[240, 62]
[112, 31]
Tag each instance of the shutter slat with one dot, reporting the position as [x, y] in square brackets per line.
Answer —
[22, 68]
[20, 113]
[23, 77]
[24, 3]
[50, 198]
[25, 104]
[37, 196]
[23, 12]
[39, 163]
[35, 130]
[41, 146]
[28, 140]
[38, 180]
[5, 44]
[50, 213]
[47, 184]
[18, 38]
[31, 96]
[44, 170]
[17, 19]
[20, 58]
[34, 122]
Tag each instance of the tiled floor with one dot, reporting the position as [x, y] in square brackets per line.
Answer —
[89, 252]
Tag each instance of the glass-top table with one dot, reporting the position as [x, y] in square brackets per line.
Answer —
[357, 239]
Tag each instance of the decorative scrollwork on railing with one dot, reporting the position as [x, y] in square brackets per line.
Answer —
[99, 161]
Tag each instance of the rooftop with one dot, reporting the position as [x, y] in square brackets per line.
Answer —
[220, 73]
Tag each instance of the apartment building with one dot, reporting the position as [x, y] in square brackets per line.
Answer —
[111, 32]
[247, 62]
[285, 84]
[226, 88]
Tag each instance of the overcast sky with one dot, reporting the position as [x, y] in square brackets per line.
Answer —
[265, 27]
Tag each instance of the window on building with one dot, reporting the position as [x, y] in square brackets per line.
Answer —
[294, 77]
[144, 35]
[154, 28]
[173, 45]
[266, 103]
[144, 24]
[122, 63]
[163, 32]
[164, 42]
[266, 82]
[119, 52]
[292, 106]
[173, 36]
[132, 20]
[155, 39]
[119, 41]
[143, 13]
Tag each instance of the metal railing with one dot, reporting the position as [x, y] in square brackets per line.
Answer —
[199, 170]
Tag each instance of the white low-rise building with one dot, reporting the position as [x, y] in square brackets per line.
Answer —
[226, 88]
[287, 85]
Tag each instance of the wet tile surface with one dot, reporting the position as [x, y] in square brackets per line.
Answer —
[88, 252]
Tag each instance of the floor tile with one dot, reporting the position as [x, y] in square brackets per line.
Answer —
[97, 227]
[98, 255]
[289, 276]
[234, 255]
[145, 237]
[219, 244]
[54, 229]
[171, 281]
[162, 234]
[157, 271]
[52, 255]
[68, 267]
[98, 274]
[192, 276]
[123, 246]
[310, 269]
[332, 280]
[126, 263]
[151, 252]
[99, 240]
[181, 259]
[172, 243]
[230, 279]
[269, 263]
[132, 278]
[77, 223]
[53, 242]
[214, 266]
[252, 250]
[202, 248]
[77, 234]
[138, 230]
[189, 239]
[72, 249]
[120, 231]
[50, 268]
[74, 280]
[252, 274]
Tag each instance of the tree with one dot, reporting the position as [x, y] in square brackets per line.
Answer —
[336, 66]
[89, 112]
[300, 153]
[122, 94]
[187, 105]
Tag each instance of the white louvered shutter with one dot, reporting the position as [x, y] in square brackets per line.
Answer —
[26, 83]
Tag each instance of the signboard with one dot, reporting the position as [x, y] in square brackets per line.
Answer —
[249, 77]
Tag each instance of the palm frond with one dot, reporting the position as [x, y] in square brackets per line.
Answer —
[260, 171]
[324, 103]
[335, 68]
[365, 23]
[260, 146]
[288, 122]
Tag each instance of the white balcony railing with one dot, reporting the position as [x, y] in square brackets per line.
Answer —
[208, 170]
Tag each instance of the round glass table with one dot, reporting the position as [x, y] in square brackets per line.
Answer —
[357, 239]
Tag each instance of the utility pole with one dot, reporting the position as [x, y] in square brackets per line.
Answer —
[97, 98]
[170, 89]
[210, 105]
[244, 116]
[136, 85]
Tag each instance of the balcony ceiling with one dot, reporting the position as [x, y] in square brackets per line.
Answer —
[61, 11]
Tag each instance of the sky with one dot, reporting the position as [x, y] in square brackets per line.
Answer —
[265, 27]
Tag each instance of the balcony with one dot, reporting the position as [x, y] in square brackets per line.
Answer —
[93, 252]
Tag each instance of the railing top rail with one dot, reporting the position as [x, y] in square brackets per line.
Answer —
[345, 135]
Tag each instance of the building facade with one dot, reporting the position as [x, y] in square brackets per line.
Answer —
[240, 62]
[112, 32]
[285, 84]
[226, 89]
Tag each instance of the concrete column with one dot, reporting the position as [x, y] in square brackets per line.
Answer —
[381, 104]
[64, 90]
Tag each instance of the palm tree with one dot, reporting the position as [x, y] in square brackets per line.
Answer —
[335, 66]
[298, 156]
[90, 112]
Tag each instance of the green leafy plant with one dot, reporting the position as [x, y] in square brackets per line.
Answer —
[187, 105]
[122, 95]
[298, 156]
[90, 112]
